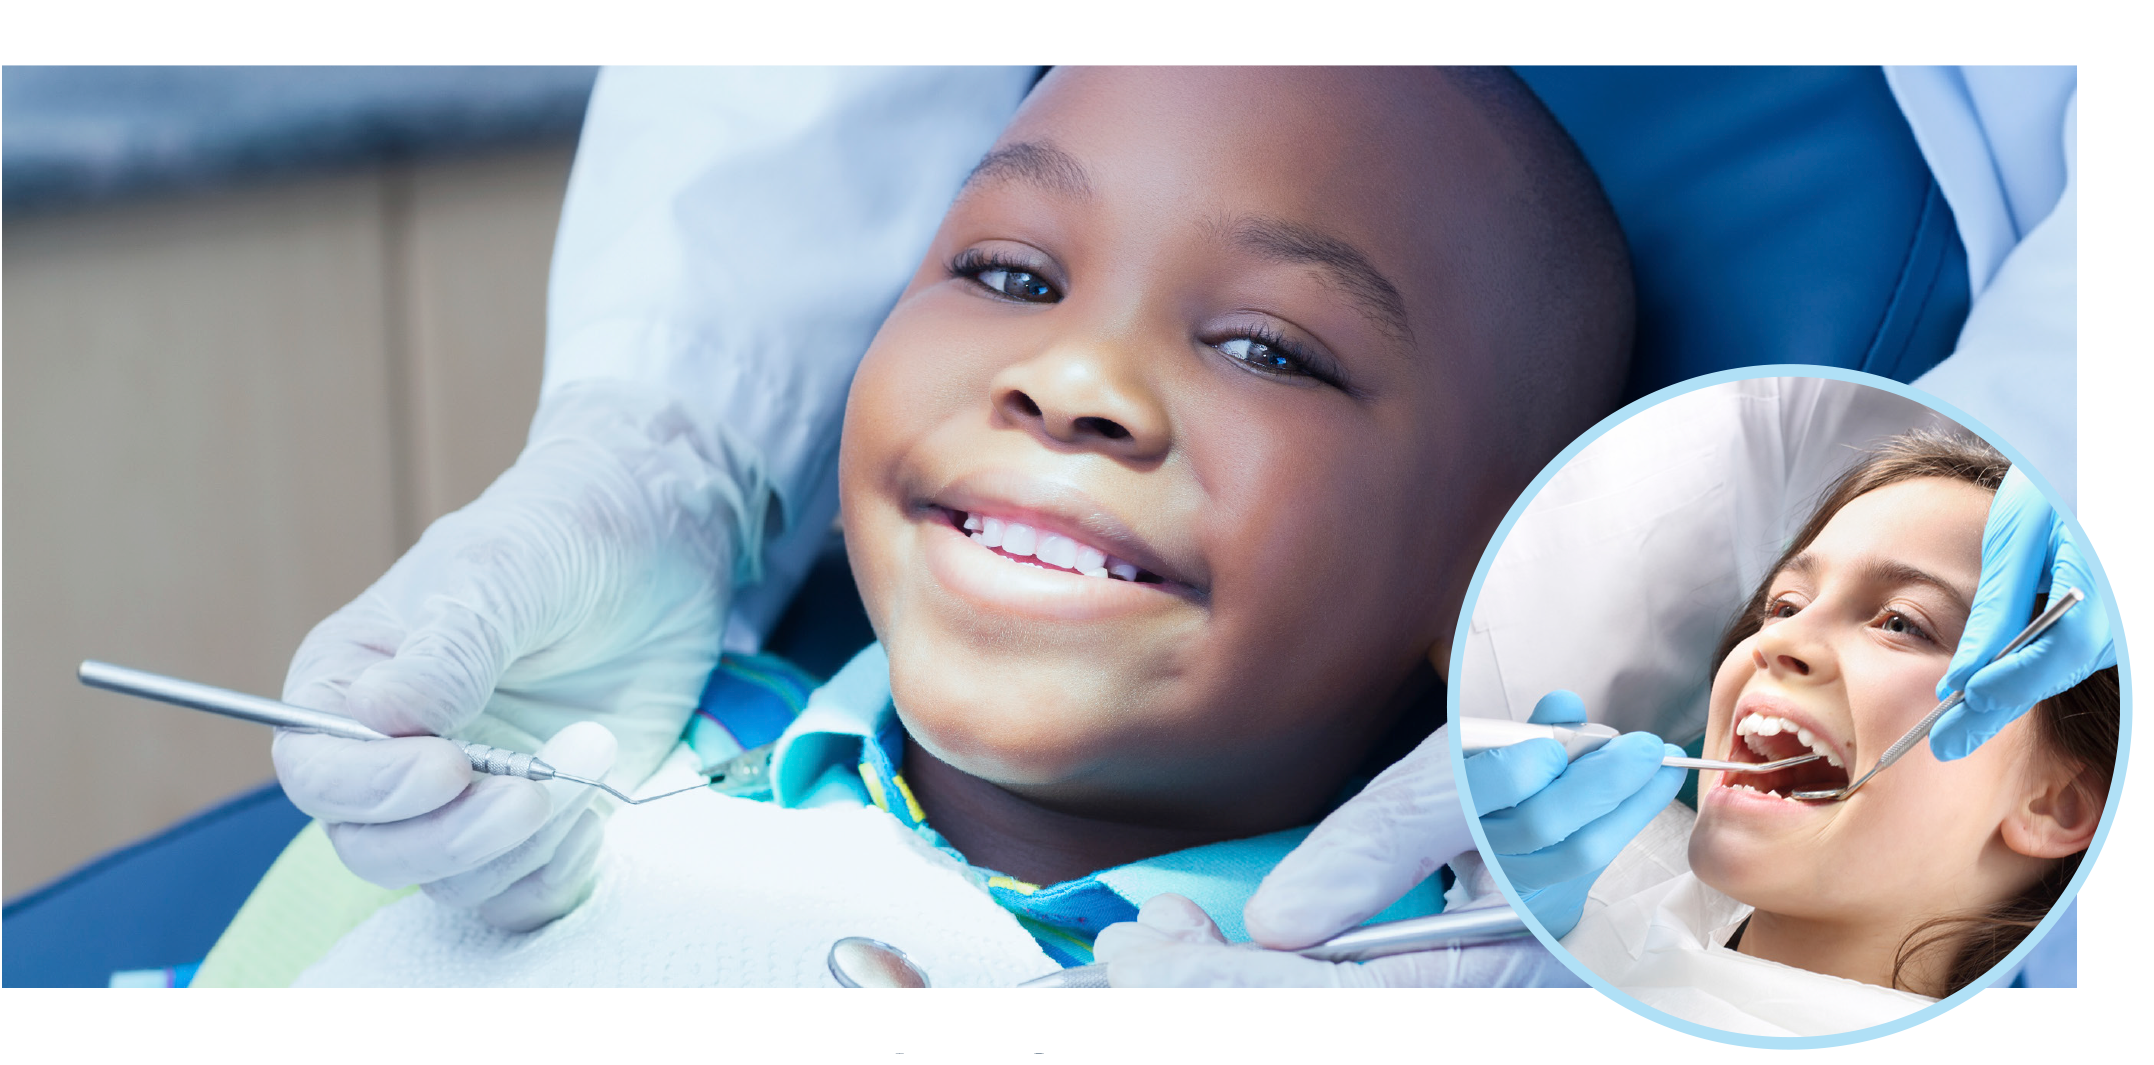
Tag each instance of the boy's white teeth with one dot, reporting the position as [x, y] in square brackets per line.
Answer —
[1768, 725]
[1054, 549]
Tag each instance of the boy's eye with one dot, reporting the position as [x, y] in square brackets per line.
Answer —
[1004, 277]
[1269, 355]
[1017, 284]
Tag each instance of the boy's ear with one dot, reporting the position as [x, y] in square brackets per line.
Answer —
[2057, 817]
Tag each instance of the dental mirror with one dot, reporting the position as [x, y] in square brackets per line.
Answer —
[857, 961]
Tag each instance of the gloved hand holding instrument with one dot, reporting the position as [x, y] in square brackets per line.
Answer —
[1363, 857]
[2027, 551]
[1555, 823]
[588, 583]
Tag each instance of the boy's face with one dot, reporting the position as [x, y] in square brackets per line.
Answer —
[1856, 635]
[1210, 329]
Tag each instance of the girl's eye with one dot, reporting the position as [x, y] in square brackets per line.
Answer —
[1264, 356]
[1780, 609]
[1899, 624]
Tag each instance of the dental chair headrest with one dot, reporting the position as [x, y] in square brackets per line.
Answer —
[1775, 214]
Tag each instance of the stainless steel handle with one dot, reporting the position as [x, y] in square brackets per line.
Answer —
[220, 701]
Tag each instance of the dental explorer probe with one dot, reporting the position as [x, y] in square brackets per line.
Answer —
[2063, 601]
[1484, 733]
[494, 760]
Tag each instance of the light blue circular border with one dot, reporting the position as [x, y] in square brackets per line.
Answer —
[2108, 602]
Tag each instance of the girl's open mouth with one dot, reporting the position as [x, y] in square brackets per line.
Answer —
[1765, 737]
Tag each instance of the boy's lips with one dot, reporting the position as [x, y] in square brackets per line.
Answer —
[1766, 727]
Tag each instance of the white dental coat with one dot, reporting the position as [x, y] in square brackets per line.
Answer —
[736, 236]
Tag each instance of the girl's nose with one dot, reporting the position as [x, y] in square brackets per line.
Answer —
[1791, 648]
[1084, 397]
[1789, 663]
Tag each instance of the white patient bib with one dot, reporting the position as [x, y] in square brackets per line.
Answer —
[710, 891]
[1655, 931]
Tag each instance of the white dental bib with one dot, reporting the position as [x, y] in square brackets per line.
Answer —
[1656, 931]
[708, 891]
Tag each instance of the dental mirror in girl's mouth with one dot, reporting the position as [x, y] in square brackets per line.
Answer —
[2062, 602]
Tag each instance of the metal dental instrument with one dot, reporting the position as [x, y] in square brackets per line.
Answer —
[494, 760]
[1469, 928]
[1483, 733]
[2060, 603]
[857, 961]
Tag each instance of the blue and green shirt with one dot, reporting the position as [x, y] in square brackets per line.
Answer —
[842, 743]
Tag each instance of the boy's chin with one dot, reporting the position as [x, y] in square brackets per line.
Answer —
[1018, 735]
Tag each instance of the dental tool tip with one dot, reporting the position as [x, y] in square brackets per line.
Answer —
[617, 793]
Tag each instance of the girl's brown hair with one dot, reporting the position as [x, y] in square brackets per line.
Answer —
[2078, 726]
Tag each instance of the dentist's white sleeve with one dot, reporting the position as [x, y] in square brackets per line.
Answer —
[733, 238]
[2002, 142]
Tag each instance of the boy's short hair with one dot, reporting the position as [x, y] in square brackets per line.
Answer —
[1569, 303]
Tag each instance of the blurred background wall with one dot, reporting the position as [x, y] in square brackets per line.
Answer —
[260, 326]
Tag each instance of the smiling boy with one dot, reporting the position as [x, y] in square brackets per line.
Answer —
[1281, 345]
[1174, 459]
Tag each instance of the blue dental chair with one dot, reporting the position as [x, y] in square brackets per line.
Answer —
[1775, 215]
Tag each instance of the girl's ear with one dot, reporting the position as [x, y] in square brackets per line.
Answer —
[2058, 815]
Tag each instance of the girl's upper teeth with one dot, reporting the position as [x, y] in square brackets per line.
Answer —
[1768, 725]
[1055, 549]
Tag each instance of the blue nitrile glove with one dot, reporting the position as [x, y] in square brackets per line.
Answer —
[2026, 551]
[1555, 824]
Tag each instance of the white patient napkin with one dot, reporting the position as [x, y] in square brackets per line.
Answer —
[704, 891]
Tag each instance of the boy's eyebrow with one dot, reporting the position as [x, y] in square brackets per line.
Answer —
[1889, 572]
[1036, 162]
[1347, 267]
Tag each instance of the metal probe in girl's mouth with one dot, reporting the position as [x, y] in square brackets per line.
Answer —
[494, 760]
[2060, 602]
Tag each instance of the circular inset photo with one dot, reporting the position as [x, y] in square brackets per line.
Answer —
[1790, 709]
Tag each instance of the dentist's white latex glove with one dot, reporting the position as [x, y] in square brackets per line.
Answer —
[589, 582]
[1358, 861]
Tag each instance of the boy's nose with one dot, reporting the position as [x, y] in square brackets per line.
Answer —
[1075, 399]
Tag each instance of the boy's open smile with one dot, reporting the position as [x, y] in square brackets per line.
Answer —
[1009, 543]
